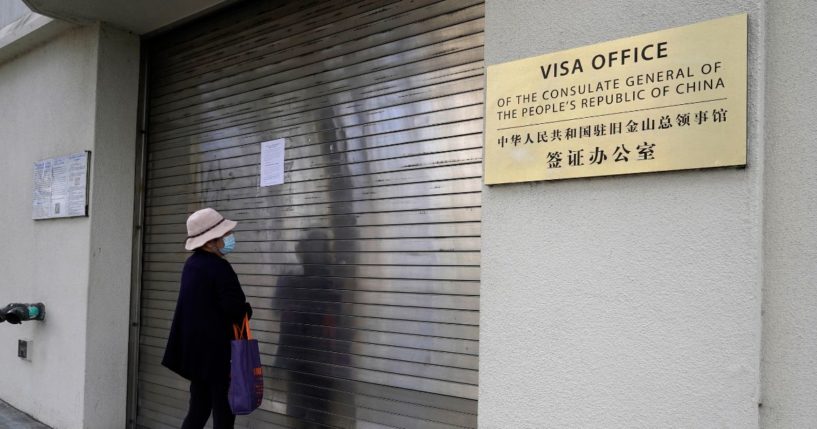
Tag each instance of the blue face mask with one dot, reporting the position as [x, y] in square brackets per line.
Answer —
[229, 244]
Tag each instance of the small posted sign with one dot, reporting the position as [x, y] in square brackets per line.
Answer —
[272, 163]
[61, 187]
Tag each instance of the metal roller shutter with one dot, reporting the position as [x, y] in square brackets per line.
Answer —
[363, 267]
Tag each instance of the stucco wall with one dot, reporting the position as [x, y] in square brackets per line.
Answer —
[789, 366]
[11, 10]
[111, 216]
[630, 301]
[47, 111]
[59, 98]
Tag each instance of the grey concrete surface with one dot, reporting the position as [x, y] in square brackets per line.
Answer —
[11, 417]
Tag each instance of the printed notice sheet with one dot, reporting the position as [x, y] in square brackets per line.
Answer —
[272, 162]
[61, 187]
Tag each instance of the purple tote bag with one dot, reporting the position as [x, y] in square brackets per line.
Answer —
[246, 376]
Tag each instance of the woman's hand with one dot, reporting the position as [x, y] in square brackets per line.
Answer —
[248, 310]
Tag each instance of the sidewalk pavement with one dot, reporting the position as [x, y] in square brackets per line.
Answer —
[11, 417]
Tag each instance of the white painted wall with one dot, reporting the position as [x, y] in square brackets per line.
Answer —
[622, 302]
[11, 10]
[76, 92]
[47, 111]
[111, 238]
[790, 232]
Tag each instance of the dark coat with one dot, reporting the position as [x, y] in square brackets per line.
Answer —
[210, 301]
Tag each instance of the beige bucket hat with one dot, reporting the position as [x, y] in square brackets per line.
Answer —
[205, 225]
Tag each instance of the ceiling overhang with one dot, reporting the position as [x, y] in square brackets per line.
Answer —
[140, 17]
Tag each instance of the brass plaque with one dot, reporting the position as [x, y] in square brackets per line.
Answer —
[670, 100]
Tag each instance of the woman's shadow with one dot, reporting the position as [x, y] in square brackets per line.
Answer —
[313, 350]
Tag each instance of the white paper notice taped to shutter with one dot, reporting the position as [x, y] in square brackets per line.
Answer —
[272, 162]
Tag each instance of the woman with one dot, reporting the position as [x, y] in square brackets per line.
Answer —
[210, 301]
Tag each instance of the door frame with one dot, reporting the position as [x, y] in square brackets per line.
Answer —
[134, 321]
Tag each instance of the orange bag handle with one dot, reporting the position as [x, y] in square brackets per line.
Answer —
[245, 327]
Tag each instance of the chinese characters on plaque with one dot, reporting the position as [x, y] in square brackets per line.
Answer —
[670, 100]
